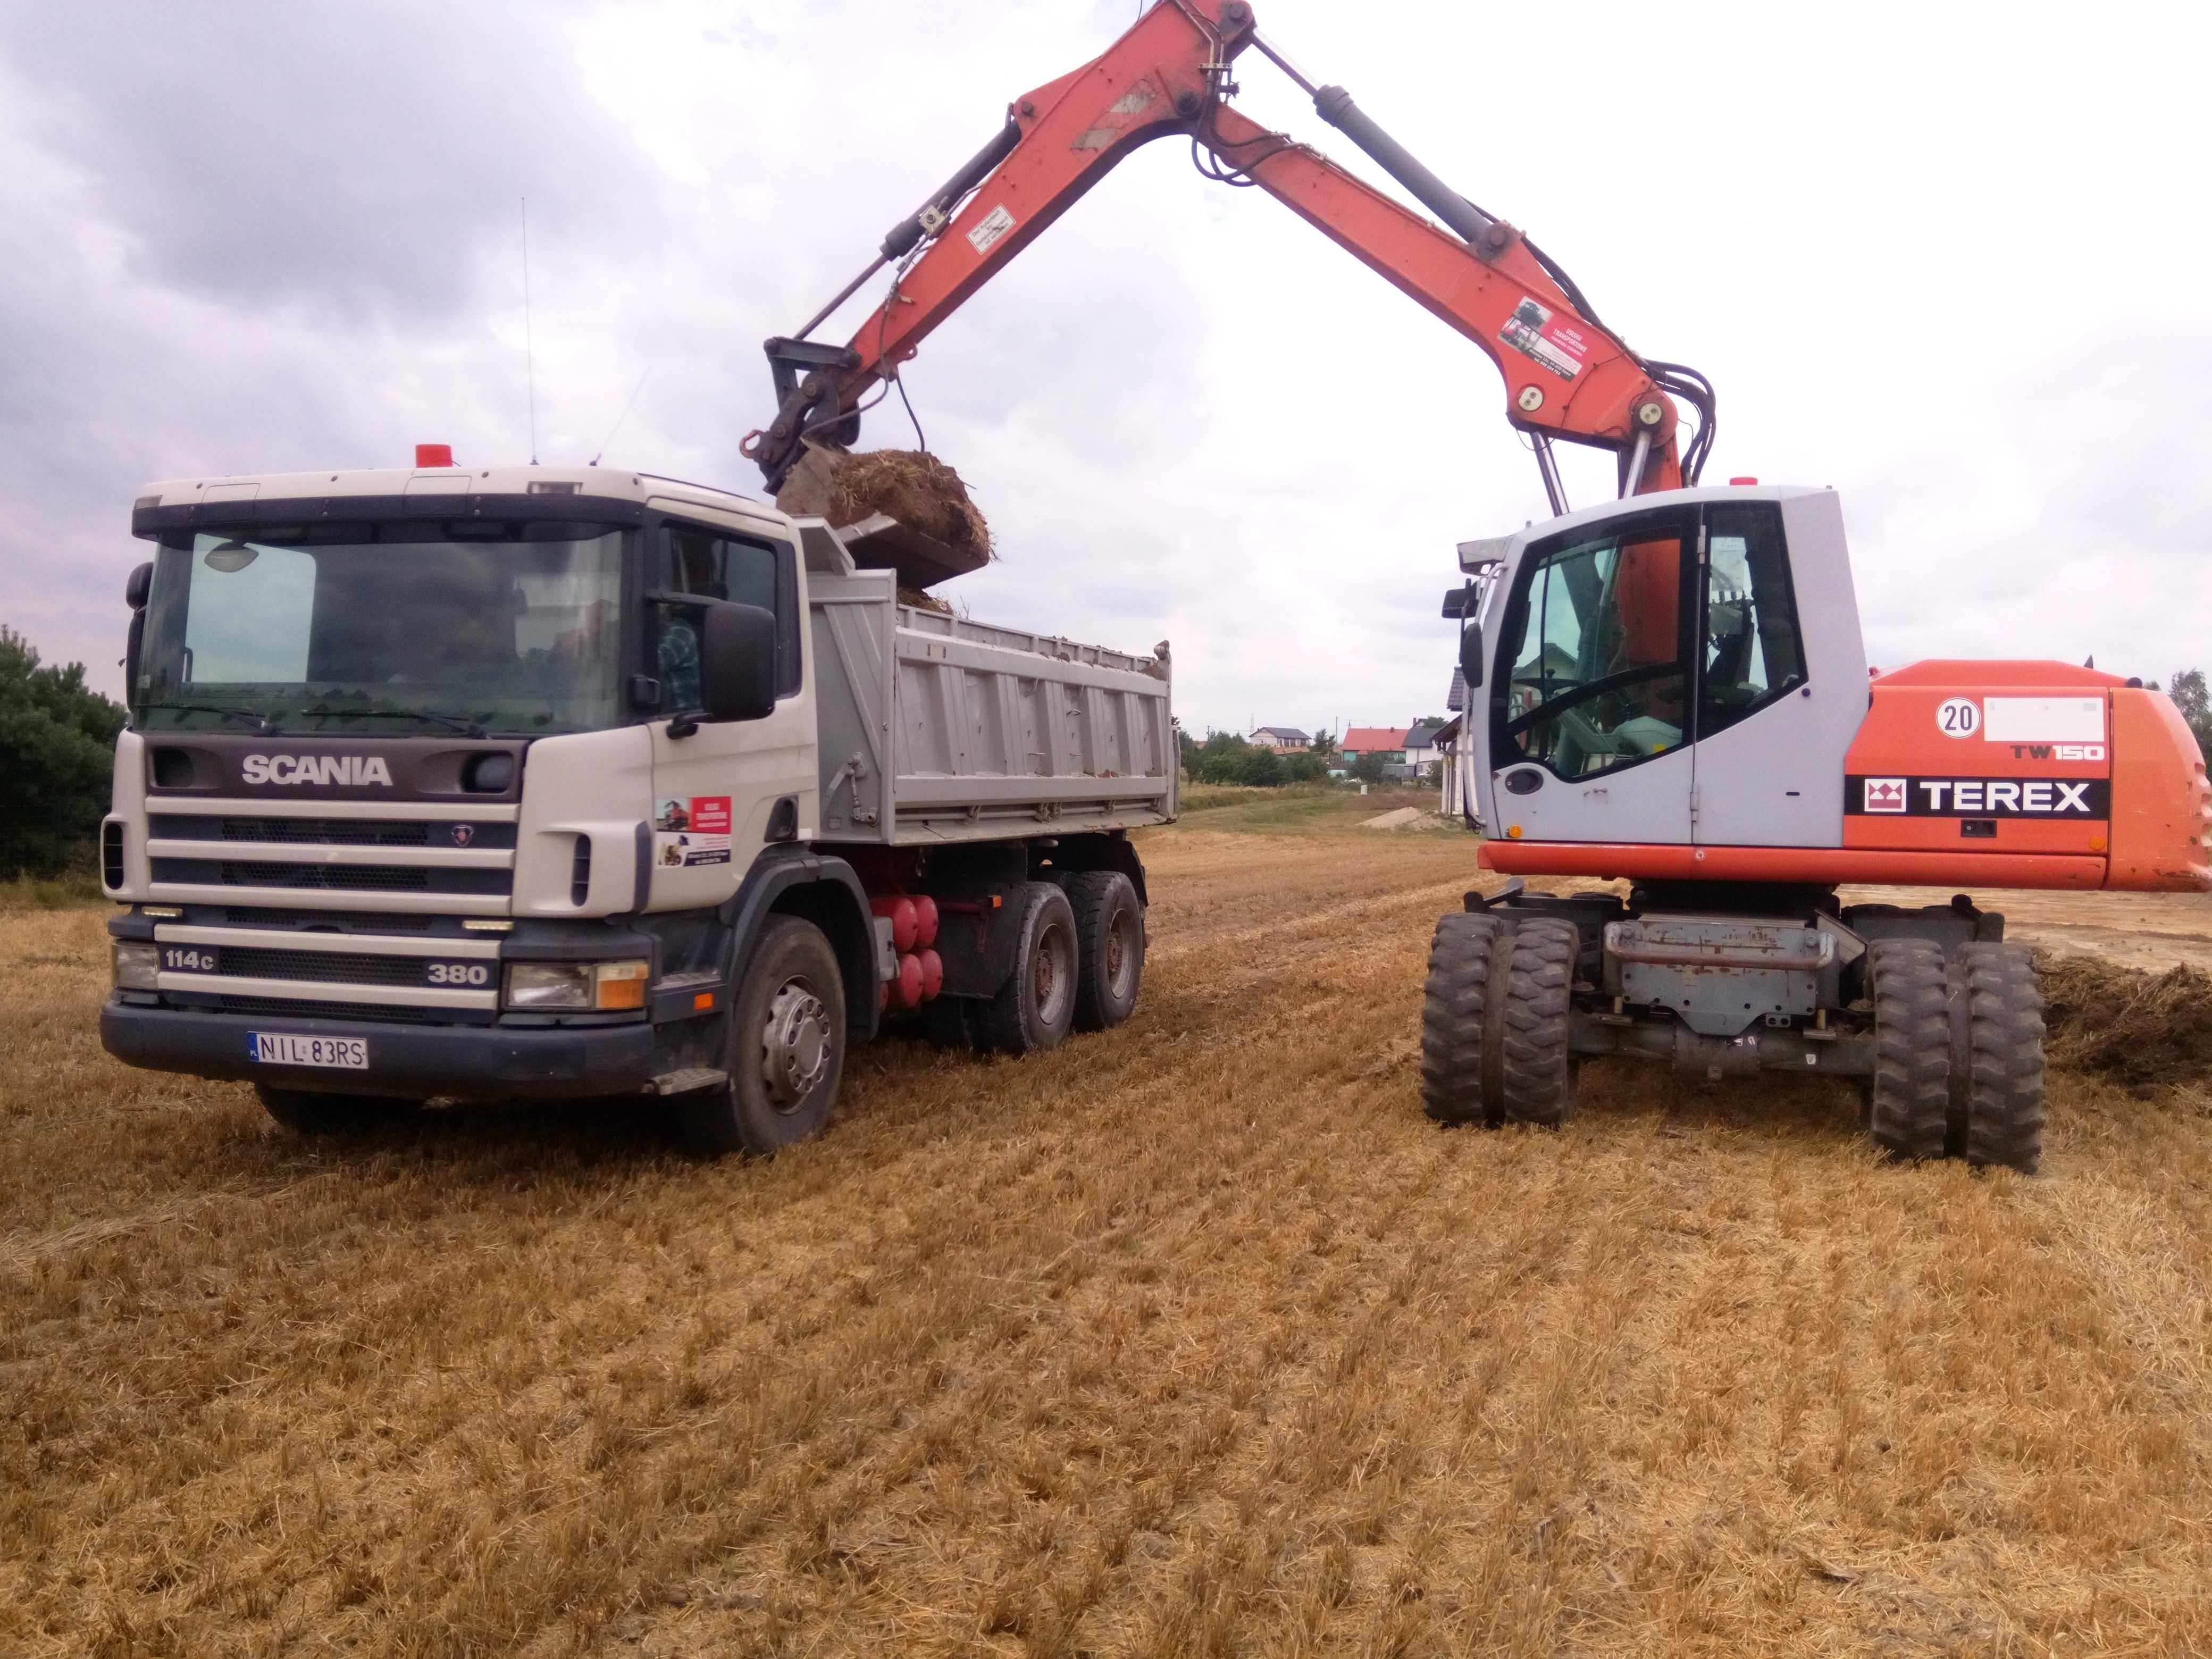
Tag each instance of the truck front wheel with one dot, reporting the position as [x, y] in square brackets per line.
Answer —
[310, 1112]
[786, 1050]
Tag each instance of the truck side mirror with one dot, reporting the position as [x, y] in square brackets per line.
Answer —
[135, 592]
[736, 662]
[1458, 601]
[1470, 656]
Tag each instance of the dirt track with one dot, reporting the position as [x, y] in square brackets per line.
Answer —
[1191, 1338]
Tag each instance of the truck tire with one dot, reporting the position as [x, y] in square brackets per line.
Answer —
[1035, 1009]
[1454, 1000]
[785, 1051]
[1109, 940]
[1999, 1074]
[311, 1112]
[1908, 1102]
[1538, 1073]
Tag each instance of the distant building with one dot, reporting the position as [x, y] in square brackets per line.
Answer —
[1388, 741]
[1421, 743]
[1279, 737]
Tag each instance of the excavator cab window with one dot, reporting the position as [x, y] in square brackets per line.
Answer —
[1753, 652]
[1594, 666]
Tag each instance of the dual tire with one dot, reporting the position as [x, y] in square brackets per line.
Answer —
[1959, 1065]
[1495, 1027]
[1079, 966]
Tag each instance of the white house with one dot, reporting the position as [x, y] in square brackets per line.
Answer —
[1280, 737]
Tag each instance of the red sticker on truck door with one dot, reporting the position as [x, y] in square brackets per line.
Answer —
[690, 831]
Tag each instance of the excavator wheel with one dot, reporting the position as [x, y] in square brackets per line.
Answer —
[1997, 1059]
[1538, 1077]
[1908, 1103]
[1453, 1004]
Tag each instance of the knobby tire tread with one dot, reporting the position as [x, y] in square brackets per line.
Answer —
[1910, 1114]
[2004, 1057]
[1452, 1000]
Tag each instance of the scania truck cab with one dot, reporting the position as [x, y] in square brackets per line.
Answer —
[449, 782]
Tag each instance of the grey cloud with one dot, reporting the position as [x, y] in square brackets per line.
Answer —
[362, 157]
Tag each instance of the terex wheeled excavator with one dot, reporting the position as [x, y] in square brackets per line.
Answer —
[1668, 691]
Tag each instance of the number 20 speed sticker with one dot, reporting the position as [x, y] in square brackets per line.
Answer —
[1958, 717]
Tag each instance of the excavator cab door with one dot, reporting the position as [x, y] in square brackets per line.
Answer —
[1590, 687]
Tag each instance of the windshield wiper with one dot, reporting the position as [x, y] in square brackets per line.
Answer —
[258, 719]
[452, 723]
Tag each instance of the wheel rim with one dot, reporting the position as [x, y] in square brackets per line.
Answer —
[1121, 955]
[795, 1044]
[1053, 973]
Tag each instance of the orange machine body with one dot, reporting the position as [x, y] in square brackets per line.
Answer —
[2000, 773]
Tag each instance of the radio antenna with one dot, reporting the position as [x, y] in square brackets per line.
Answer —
[624, 415]
[529, 346]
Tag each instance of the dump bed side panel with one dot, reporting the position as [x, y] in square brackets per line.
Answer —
[937, 729]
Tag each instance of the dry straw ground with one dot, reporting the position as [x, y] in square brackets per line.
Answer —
[1194, 1338]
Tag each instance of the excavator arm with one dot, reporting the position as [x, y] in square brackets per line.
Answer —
[1567, 376]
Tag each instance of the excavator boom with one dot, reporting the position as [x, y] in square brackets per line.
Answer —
[1567, 376]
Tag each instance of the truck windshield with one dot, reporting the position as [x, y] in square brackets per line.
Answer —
[468, 627]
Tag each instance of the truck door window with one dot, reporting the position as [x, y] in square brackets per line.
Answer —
[1753, 652]
[1595, 669]
[703, 565]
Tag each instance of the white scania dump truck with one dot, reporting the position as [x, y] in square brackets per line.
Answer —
[533, 782]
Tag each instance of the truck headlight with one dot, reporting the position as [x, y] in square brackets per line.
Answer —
[603, 986]
[137, 965]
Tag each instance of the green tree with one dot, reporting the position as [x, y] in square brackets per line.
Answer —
[57, 749]
[1264, 768]
[2192, 697]
[1324, 745]
[1186, 749]
[1367, 769]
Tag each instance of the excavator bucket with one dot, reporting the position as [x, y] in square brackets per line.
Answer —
[899, 509]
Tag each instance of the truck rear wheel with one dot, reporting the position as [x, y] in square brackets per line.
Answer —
[1036, 1007]
[310, 1112]
[1109, 938]
[2000, 1072]
[785, 1053]
[1908, 1102]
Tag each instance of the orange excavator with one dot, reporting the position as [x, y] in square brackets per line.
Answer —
[1668, 690]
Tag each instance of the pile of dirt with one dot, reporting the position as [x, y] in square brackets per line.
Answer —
[921, 599]
[2136, 1028]
[910, 485]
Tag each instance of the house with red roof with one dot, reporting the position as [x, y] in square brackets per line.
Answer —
[1388, 741]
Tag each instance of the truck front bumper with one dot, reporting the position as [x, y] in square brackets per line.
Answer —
[481, 1062]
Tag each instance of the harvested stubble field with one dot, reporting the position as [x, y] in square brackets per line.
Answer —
[1194, 1338]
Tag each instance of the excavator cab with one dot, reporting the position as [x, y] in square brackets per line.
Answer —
[1632, 662]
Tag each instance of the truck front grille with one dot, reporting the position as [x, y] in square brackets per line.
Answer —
[332, 878]
[381, 1013]
[329, 832]
[353, 922]
[334, 967]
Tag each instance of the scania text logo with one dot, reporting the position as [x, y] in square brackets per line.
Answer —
[327, 771]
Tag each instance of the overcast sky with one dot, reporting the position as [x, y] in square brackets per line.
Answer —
[1951, 260]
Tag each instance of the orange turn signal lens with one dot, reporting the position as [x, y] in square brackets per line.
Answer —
[620, 985]
[702, 1001]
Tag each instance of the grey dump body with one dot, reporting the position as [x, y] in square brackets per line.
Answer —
[936, 729]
